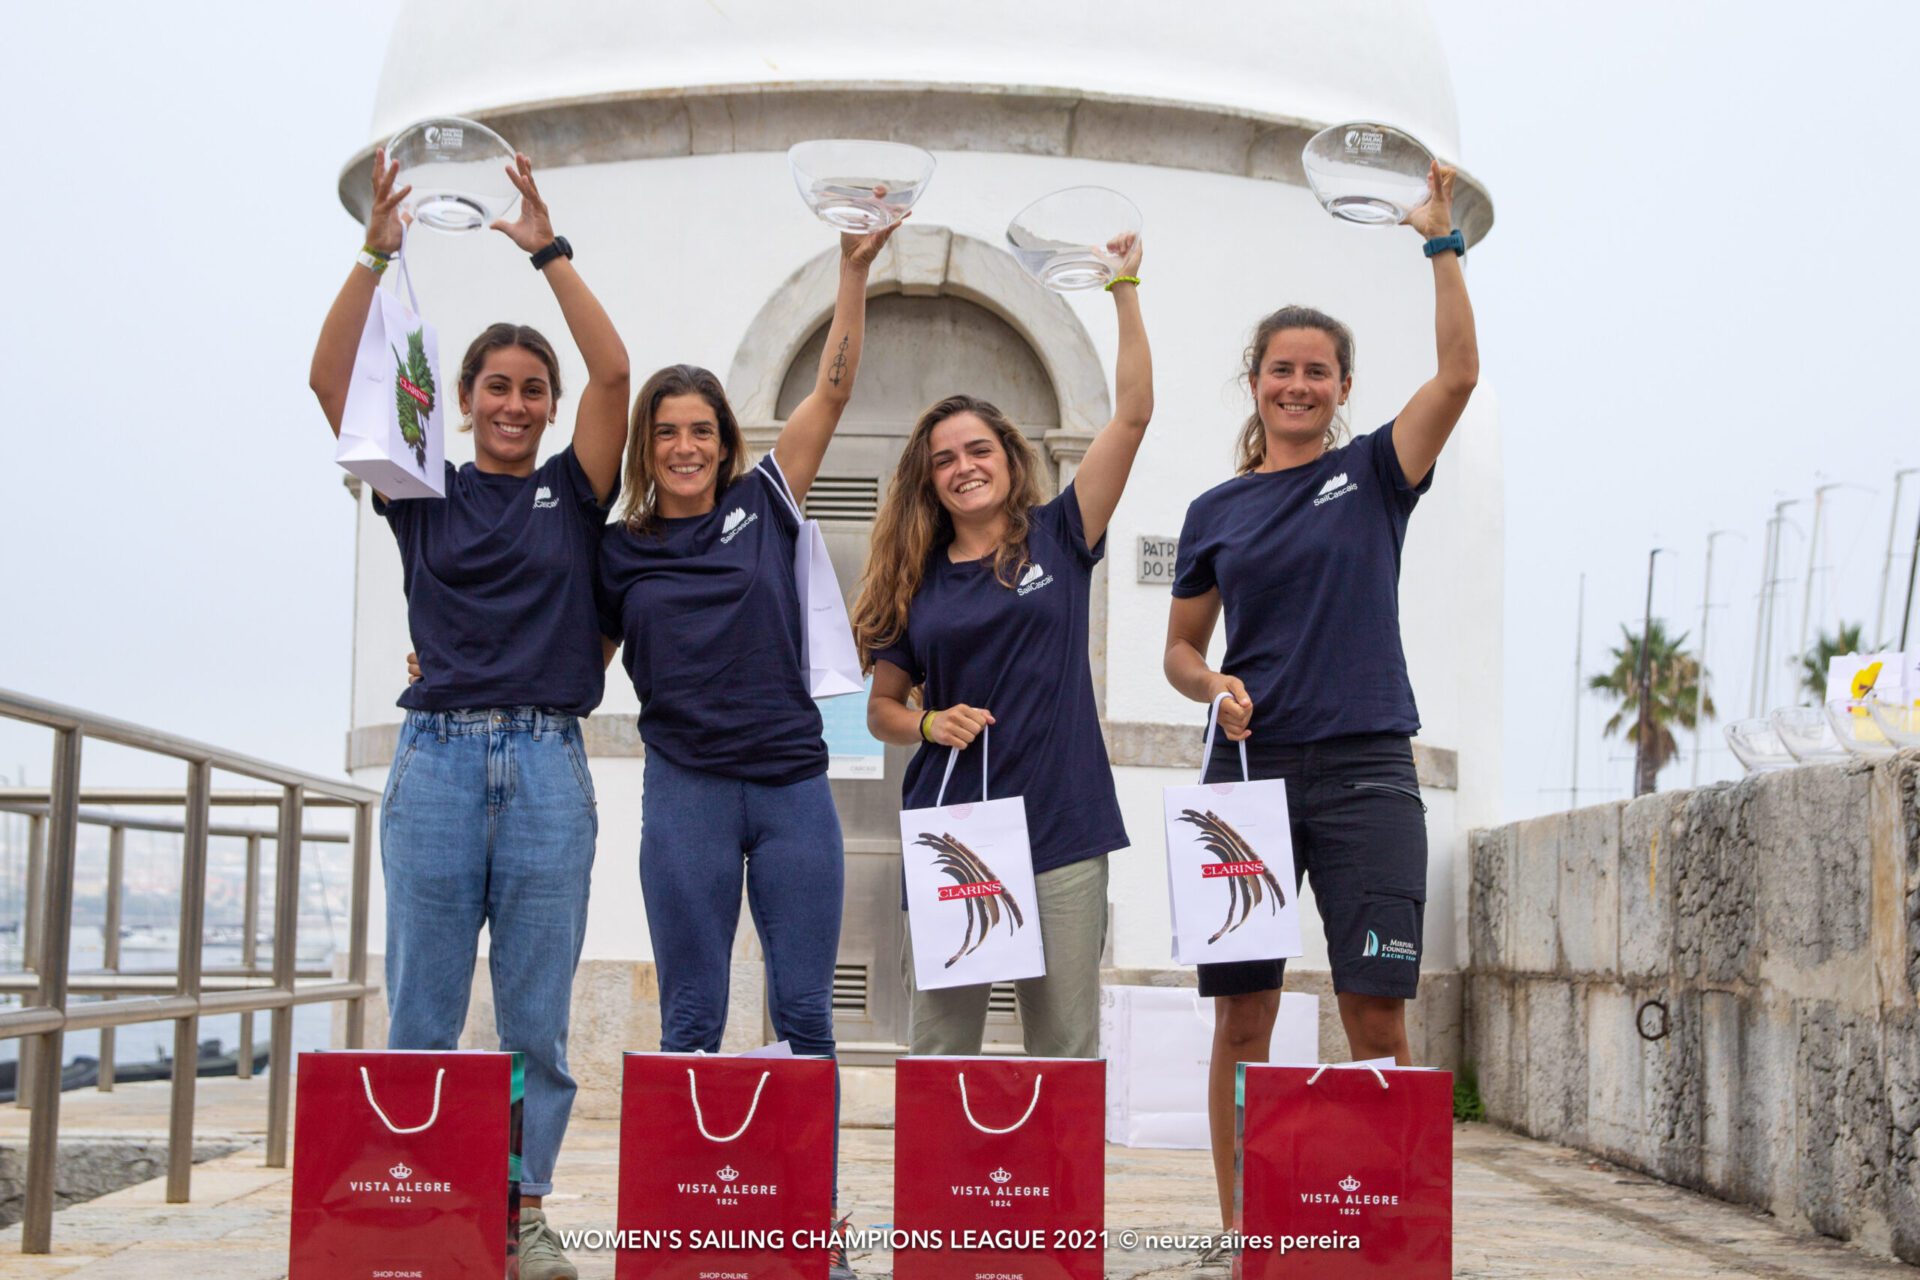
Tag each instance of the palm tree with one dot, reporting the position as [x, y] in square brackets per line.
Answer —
[1673, 675]
[1813, 666]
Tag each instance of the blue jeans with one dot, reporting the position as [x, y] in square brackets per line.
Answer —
[489, 819]
[701, 837]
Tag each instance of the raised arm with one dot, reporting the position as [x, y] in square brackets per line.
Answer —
[809, 430]
[1102, 476]
[1189, 632]
[332, 370]
[600, 424]
[1422, 428]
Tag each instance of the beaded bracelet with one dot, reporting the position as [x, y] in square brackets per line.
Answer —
[1132, 280]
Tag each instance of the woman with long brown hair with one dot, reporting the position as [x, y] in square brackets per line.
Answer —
[1301, 549]
[977, 594]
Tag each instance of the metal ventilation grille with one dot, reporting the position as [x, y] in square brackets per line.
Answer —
[843, 498]
[1001, 1001]
[849, 988]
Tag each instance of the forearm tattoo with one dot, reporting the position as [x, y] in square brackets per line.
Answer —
[838, 369]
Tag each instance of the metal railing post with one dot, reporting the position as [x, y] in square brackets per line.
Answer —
[110, 941]
[357, 923]
[286, 923]
[43, 1129]
[186, 1031]
[30, 949]
[249, 953]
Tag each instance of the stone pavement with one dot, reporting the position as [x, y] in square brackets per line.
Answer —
[1523, 1209]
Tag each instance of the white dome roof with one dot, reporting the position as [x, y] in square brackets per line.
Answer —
[1316, 61]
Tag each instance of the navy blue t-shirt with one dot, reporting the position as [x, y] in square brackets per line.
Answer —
[709, 615]
[1020, 652]
[499, 582]
[1307, 560]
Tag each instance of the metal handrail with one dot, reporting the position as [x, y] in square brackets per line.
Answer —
[48, 926]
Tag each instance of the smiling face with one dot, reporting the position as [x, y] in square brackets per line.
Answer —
[686, 454]
[968, 467]
[510, 404]
[1298, 386]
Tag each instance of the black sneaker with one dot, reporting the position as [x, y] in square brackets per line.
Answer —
[838, 1267]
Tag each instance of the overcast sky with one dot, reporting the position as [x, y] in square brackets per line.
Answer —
[1696, 300]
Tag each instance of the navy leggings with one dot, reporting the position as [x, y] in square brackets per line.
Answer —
[701, 837]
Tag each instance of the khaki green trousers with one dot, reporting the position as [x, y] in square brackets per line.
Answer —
[1060, 1011]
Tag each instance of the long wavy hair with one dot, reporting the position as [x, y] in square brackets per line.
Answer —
[640, 509]
[1253, 433]
[912, 524]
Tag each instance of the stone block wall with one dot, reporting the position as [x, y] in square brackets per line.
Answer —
[1718, 988]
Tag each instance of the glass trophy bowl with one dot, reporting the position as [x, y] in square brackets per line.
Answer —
[1368, 173]
[1757, 746]
[1898, 718]
[1068, 239]
[458, 172]
[858, 185]
[1852, 721]
[1805, 733]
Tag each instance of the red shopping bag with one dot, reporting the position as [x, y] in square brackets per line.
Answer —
[1345, 1173]
[406, 1164]
[1003, 1158]
[726, 1167]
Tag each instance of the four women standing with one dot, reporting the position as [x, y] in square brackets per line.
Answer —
[973, 616]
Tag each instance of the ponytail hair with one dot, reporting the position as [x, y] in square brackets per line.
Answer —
[1253, 435]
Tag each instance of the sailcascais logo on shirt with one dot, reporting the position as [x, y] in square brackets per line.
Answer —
[1034, 578]
[737, 519]
[543, 498]
[1338, 487]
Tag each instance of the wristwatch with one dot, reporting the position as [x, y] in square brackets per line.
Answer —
[1452, 240]
[561, 249]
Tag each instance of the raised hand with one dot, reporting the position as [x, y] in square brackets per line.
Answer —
[860, 251]
[1128, 249]
[533, 229]
[1435, 216]
[958, 725]
[386, 225]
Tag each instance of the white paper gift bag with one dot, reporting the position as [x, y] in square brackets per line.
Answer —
[1230, 876]
[1157, 1042]
[390, 431]
[971, 908]
[826, 639]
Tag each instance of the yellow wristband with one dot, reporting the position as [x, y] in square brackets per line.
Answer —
[1132, 280]
[924, 717]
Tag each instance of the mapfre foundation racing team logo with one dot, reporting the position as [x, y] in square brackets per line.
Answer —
[401, 1185]
[977, 886]
[1246, 874]
[726, 1187]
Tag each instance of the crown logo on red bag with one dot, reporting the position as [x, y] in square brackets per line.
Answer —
[727, 1174]
[401, 1172]
[1349, 1183]
[1001, 1176]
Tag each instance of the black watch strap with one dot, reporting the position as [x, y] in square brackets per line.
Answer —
[558, 249]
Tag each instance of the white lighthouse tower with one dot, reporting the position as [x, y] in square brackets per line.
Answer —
[659, 133]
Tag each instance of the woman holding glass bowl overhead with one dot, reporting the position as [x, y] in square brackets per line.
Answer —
[1301, 550]
[977, 595]
[488, 816]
